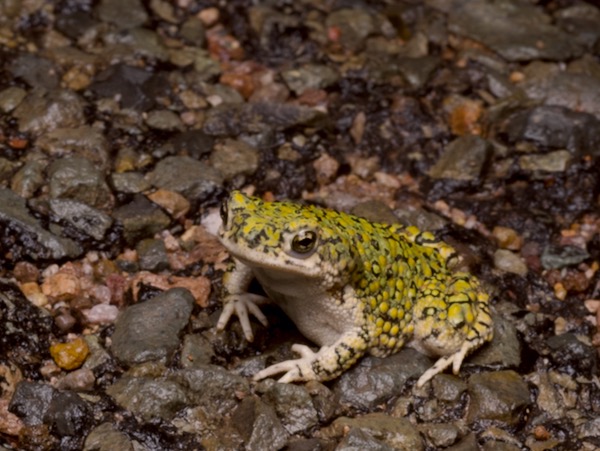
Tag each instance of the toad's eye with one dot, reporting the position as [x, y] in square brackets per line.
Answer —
[304, 243]
[223, 211]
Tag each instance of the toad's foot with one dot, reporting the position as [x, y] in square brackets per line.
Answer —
[295, 370]
[455, 360]
[241, 305]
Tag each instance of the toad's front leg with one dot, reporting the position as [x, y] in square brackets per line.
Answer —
[327, 363]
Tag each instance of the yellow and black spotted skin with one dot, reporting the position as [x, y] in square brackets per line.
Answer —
[350, 285]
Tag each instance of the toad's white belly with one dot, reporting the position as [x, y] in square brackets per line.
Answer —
[316, 312]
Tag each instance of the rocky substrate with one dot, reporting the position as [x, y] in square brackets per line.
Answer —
[124, 123]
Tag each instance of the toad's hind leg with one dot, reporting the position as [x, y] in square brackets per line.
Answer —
[451, 320]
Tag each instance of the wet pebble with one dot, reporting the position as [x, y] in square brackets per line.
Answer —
[463, 159]
[517, 31]
[502, 396]
[39, 112]
[70, 355]
[375, 380]
[573, 355]
[68, 414]
[83, 218]
[10, 98]
[234, 157]
[130, 182]
[293, 405]
[310, 76]
[164, 120]
[85, 141]
[140, 219]
[107, 437]
[397, 433]
[31, 401]
[152, 255]
[555, 257]
[556, 127]
[150, 330]
[508, 261]
[557, 161]
[76, 178]
[259, 426]
[149, 397]
[126, 15]
[189, 177]
[40, 243]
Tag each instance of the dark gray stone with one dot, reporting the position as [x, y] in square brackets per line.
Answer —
[31, 401]
[152, 255]
[196, 351]
[150, 330]
[128, 14]
[81, 217]
[259, 426]
[68, 414]
[36, 71]
[76, 178]
[504, 351]
[107, 437]
[31, 238]
[85, 141]
[130, 182]
[40, 112]
[572, 355]
[360, 440]
[293, 405]
[149, 398]
[141, 219]
[501, 396]
[516, 30]
[191, 178]
[375, 380]
[556, 257]
[463, 159]
[556, 127]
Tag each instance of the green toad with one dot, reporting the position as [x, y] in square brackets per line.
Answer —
[350, 285]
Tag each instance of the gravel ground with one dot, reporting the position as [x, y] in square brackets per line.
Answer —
[123, 123]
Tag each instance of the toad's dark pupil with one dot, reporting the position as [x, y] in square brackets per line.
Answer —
[304, 242]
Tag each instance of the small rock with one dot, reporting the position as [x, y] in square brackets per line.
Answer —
[85, 141]
[293, 405]
[82, 379]
[508, 261]
[259, 426]
[107, 437]
[81, 217]
[31, 401]
[463, 159]
[189, 177]
[71, 355]
[149, 398]
[196, 350]
[557, 161]
[150, 330]
[10, 98]
[351, 27]
[39, 113]
[519, 32]
[62, 286]
[140, 219]
[440, 435]
[398, 433]
[360, 440]
[556, 127]
[30, 238]
[174, 203]
[68, 414]
[234, 157]
[36, 71]
[29, 179]
[76, 178]
[507, 238]
[504, 351]
[101, 314]
[152, 255]
[375, 380]
[554, 257]
[130, 182]
[501, 396]
[125, 15]
[310, 76]
[164, 120]
[572, 355]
